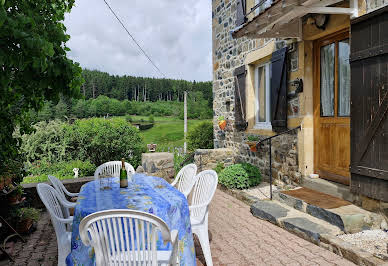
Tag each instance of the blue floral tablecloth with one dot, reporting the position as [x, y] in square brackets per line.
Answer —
[145, 193]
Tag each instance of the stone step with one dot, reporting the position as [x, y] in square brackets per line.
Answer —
[347, 217]
[300, 223]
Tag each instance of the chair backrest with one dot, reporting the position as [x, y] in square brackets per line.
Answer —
[121, 236]
[203, 191]
[112, 169]
[59, 187]
[51, 199]
[185, 179]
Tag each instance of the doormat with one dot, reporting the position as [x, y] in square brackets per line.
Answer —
[317, 198]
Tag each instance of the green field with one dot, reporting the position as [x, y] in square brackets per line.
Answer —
[167, 131]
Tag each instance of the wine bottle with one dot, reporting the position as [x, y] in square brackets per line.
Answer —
[123, 175]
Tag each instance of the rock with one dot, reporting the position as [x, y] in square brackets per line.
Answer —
[268, 210]
[140, 169]
[384, 226]
[305, 227]
[326, 215]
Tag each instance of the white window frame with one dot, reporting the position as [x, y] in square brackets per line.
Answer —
[267, 124]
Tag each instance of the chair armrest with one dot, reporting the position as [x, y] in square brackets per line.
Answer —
[192, 207]
[65, 221]
[66, 203]
[174, 182]
[175, 245]
[70, 194]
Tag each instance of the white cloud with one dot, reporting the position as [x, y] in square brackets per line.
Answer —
[175, 34]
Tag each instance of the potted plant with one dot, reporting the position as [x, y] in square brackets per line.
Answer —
[26, 217]
[221, 122]
[252, 142]
[16, 194]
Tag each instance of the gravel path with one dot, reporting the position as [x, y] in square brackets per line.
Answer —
[261, 191]
[373, 241]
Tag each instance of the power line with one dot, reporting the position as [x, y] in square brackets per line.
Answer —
[133, 38]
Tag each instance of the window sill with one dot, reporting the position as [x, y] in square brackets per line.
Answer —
[263, 126]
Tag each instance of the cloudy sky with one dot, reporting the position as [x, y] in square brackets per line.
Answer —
[176, 34]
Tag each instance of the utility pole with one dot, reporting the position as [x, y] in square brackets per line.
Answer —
[185, 122]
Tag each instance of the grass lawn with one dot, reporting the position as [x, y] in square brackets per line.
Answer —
[167, 131]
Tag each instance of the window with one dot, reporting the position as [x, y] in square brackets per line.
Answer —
[262, 84]
[264, 4]
[335, 79]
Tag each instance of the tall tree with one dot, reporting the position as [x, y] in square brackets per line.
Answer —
[33, 64]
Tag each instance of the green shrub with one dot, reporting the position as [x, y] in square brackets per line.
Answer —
[48, 142]
[103, 140]
[62, 170]
[128, 118]
[145, 126]
[178, 161]
[151, 119]
[201, 136]
[219, 168]
[240, 176]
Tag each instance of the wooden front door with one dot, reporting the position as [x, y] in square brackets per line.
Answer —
[332, 108]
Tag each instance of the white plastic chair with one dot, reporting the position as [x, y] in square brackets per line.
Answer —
[62, 191]
[203, 192]
[54, 205]
[112, 169]
[110, 232]
[185, 179]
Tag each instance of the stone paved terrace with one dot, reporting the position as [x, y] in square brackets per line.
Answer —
[238, 238]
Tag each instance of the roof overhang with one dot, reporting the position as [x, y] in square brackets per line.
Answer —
[283, 19]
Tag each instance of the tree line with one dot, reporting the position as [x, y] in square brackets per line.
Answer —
[140, 88]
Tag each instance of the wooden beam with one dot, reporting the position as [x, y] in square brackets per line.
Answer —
[329, 10]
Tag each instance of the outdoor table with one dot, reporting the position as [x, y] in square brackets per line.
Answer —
[145, 193]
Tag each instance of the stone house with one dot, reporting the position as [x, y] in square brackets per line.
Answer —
[281, 65]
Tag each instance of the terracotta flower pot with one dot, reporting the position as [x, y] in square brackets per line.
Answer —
[252, 146]
[222, 124]
[7, 181]
[24, 226]
[14, 198]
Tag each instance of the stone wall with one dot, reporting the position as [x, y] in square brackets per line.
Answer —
[159, 164]
[207, 159]
[228, 54]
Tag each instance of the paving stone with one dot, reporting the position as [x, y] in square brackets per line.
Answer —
[262, 244]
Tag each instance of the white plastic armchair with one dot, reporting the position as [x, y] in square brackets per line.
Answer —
[128, 237]
[112, 169]
[54, 205]
[185, 179]
[203, 192]
[62, 191]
